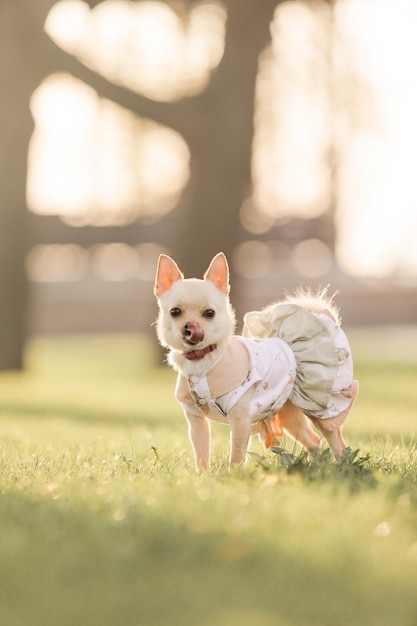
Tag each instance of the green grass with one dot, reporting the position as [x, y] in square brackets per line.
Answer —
[103, 520]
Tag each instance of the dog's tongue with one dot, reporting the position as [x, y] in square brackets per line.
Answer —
[193, 333]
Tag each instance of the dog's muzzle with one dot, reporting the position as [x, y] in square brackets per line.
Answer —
[192, 333]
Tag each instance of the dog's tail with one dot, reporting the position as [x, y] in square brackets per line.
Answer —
[316, 301]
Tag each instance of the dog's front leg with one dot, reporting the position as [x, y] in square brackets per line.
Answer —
[240, 428]
[199, 434]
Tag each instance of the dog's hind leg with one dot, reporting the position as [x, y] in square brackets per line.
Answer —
[297, 425]
[331, 428]
[332, 434]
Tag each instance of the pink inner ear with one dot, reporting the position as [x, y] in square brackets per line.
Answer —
[167, 274]
[218, 273]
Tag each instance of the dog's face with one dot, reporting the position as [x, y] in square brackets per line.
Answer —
[193, 313]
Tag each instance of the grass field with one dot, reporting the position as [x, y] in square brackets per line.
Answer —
[103, 520]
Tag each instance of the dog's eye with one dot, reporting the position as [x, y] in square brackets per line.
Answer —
[175, 312]
[209, 314]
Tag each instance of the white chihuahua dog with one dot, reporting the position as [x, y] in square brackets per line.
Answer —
[292, 362]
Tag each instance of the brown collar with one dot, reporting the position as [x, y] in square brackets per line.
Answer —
[199, 354]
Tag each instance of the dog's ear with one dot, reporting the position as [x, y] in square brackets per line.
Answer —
[166, 275]
[218, 273]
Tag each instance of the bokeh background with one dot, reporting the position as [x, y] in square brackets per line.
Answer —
[283, 133]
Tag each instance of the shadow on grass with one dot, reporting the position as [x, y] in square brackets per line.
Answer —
[102, 567]
[109, 418]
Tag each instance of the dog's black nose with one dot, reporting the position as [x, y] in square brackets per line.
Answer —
[193, 333]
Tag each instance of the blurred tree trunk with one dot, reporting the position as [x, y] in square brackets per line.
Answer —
[16, 126]
[23, 66]
[218, 128]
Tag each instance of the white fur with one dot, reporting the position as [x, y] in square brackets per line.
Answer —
[316, 302]
[194, 296]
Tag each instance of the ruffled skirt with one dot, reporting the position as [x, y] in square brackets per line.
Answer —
[323, 383]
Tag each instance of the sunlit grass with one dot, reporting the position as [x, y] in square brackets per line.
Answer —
[104, 521]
